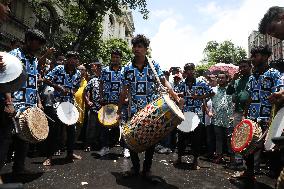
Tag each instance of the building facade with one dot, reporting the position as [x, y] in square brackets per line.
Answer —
[256, 39]
[23, 17]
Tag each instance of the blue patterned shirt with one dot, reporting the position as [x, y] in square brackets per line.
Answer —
[27, 95]
[111, 84]
[93, 87]
[198, 88]
[60, 77]
[260, 87]
[142, 83]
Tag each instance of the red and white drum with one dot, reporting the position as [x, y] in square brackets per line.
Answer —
[245, 137]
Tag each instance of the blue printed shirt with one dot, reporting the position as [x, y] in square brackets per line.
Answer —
[60, 77]
[27, 95]
[260, 87]
[94, 90]
[198, 88]
[111, 84]
[142, 83]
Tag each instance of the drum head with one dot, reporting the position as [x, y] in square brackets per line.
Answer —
[275, 129]
[242, 135]
[107, 115]
[67, 113]
[190, 123]
[174, 107]
[13, 70]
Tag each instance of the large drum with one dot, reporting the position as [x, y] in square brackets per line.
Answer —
[14, 75]
[151, 124]
[107, 115]
[33, 125]
[275, 129]
[67, 113]
[190, 123]
[245, 137]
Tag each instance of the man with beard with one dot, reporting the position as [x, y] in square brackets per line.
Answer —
[140, 86]
[272, 24]
[65, 79]
[262, 83]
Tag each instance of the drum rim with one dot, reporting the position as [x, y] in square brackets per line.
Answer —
[268, 138]
[167, 97]
[249, 138]
[100, 113]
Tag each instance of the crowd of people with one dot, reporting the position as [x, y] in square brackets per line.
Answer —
[219, 100]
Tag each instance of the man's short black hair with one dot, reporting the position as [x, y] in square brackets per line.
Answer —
[35, 34]
[245, 61]
[188, 66]
[270, 16]
[71, 54]
[140, 38]
[263, 50]
[117, 52]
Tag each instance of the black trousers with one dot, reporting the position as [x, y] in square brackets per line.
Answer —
[5, 136]
[195, 137]
[54, 134]
[149, 153]
[21, 147]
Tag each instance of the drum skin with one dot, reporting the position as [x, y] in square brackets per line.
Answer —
[13, 78]
[33, 125]
[107, 115]
[151, 124]
[245, 136]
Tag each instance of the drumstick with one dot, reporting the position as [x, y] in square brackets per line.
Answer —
[49, 118]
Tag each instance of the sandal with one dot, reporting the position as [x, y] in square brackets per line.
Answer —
[88, 149]
[58, 153]
[244, 176]
[47, 162]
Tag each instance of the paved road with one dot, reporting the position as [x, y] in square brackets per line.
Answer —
[94, 172]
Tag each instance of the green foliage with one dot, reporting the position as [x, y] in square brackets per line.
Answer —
[81, 27]
[108, 45]
[225, 52]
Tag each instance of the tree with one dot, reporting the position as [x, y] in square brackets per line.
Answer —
[225, 52]
[82, 20]
[108, 45]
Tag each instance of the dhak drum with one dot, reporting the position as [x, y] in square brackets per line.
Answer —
[107, 115]
[275, 129]
[33, 125]
[14, 75]
[149, 125]
[67, 113]
[190, 123]
[245, 137]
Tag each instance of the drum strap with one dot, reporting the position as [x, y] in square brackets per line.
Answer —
[161, 87]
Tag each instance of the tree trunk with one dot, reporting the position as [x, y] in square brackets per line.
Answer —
[83, 34]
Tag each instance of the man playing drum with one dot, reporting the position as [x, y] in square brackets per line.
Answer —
[65, 79]
[110, 87]
[139, 85]
[194, 93]
[5, 129]
[262, 83]
[25, 97]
